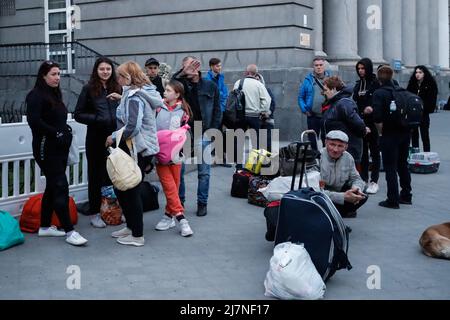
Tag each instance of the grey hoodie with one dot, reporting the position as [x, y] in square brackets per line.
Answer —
[136, 113]
[337, 174]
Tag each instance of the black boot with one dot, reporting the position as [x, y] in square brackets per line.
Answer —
[201, 210]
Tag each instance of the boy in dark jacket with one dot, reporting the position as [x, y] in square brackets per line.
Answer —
[363, 94]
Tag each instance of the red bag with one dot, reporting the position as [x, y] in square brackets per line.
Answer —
[110, 211]
[30, 220]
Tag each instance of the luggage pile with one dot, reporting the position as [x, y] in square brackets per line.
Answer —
[304, 215]
[308, 218]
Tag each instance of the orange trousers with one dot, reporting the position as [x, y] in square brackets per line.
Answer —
[169, 176]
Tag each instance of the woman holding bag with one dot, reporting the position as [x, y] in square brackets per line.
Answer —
[136, 115]
[98, 112]
[47, 118]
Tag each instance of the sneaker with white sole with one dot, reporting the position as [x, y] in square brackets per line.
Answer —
[132, 241]
[50, 232]
[76, 239]
[186, 230]
[121, 233]
[97, 221]
[372, 188]
[165, 223]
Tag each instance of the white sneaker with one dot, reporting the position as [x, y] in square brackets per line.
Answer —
[121, 233]
[50, 232]
[372, 188]
[165, 224]
[186, 230]
[76, 239]
[97, 221]
[132, 241]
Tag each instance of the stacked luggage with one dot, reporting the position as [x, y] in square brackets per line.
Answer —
[309, 217]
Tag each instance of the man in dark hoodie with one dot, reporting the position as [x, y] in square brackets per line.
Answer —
[362, 94]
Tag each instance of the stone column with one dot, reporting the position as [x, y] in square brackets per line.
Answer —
[318, 28]
[444, 34]
[341, 34]
[370, 33]
[423, 33]
[409, 33]
[392, 30]
[434, 32]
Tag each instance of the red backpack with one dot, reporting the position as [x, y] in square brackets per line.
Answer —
[30, 220]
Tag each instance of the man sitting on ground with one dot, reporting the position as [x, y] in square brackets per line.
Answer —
[340, 179]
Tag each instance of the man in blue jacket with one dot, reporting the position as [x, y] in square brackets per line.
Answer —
[214, 74]
[310, 97]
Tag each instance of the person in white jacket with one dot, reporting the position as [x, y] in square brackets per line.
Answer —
[340, 179]
[257, 102]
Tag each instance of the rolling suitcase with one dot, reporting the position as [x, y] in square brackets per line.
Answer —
[309, 217]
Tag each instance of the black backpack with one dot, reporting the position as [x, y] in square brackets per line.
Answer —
[409, 107]
[234, 116]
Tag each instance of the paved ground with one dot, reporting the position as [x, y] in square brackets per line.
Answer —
[227, 258]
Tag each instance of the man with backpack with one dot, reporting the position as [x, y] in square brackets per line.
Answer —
[257, 102]
[388, 103]
[311, 98]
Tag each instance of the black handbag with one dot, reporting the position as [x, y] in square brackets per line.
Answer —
[149, 196]
[288, 157]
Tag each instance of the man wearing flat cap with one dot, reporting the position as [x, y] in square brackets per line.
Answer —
[340, 179]
[152, 69]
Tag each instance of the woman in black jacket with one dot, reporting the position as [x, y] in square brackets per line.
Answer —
[97, 109]
[47, 118]
[423, 84]
[342, 114]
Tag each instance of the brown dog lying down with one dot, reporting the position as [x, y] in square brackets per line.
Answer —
[435, 241]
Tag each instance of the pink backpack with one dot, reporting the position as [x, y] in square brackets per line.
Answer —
[170, 144]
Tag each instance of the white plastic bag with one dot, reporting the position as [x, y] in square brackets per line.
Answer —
[278, 187]
[74, 153]
[292, 274]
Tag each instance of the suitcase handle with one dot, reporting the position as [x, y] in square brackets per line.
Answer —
[302, 138]
[305, 145]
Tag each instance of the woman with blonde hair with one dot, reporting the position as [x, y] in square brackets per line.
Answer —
[136, 114]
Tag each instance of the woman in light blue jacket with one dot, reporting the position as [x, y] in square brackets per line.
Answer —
[136, 114]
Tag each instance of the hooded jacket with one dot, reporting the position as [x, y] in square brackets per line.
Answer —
[343, 115]
[364, 89]
[136, 112]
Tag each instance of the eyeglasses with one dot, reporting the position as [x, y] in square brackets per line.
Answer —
[49, 62]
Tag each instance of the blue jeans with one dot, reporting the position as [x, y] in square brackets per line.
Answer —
[203, 172]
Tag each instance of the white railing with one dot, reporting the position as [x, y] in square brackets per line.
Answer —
[20, 174]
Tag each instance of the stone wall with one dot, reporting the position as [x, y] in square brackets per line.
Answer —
[283, 83]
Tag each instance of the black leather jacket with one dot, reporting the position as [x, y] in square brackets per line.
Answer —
[96, 113]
